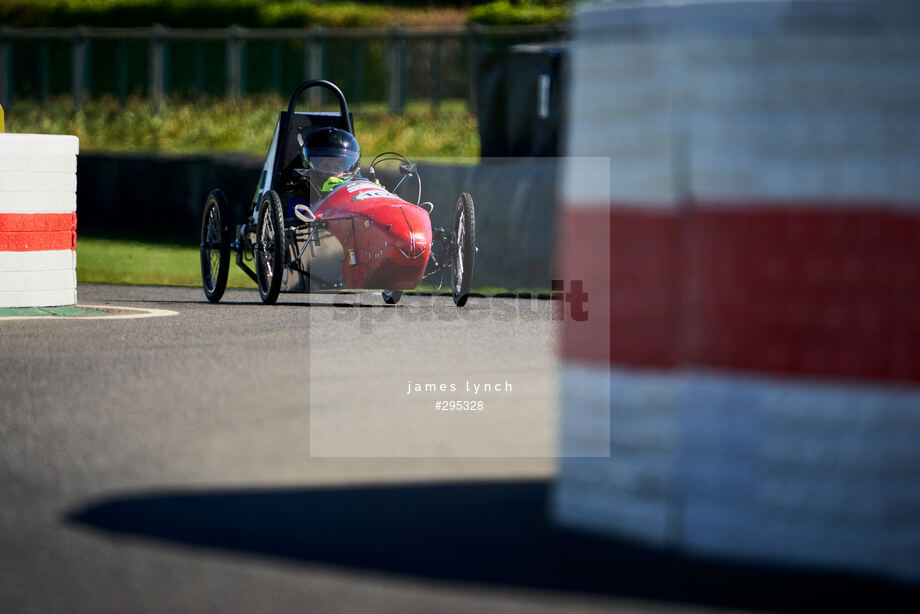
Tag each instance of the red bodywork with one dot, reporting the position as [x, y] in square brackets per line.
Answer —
[390, 238]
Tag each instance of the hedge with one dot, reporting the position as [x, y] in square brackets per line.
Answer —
[519, 12]
[260, 13]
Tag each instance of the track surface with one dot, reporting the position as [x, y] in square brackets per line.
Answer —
[238, 457]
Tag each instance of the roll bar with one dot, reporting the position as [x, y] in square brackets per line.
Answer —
[343, 105]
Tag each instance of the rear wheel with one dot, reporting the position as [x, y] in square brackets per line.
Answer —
[271, 247]
[391, 297]
[464, 249]
[215, 245]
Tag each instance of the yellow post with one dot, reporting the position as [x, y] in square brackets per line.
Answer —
[1, 118]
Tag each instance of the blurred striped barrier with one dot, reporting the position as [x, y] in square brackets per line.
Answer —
[38, 220]
[757, 292]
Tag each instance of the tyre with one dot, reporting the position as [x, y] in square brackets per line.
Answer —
[464, 249]
[391, 297]
[271, 247]
[215, 245]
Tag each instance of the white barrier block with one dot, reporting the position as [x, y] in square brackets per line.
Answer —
[38, 202]
[585, 395]
[28, 281]
[37, 182]
[39, 298]
[39, 143]
[51, 260]
[37, 162]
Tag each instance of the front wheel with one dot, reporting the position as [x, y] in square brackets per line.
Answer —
[271, 247]
[215, 245]
[464, 249]
[391, 297]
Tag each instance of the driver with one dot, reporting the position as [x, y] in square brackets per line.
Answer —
[332, 155]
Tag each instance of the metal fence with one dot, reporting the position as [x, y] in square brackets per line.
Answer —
[381, 65]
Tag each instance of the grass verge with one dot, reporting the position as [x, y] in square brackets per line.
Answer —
[119, 261]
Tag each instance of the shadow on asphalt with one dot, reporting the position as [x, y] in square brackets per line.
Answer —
[495, 533]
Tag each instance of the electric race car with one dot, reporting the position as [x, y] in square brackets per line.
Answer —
[315, 224]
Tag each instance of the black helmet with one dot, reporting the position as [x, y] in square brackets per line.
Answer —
[330, 151]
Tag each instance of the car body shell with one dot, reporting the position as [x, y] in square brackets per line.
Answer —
[374, 240]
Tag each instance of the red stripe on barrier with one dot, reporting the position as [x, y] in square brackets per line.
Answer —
[585, 241]
[818, 292]
[23, 232]
[37, 241]
[37, 222]
[821, 291]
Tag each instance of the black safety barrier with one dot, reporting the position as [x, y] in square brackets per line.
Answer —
[520, 101]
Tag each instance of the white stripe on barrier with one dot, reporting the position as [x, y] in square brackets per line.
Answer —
[28, 281]
[585, 400]
[38, 202]
[800, 118]
[721, 18]
[30, 162]
[37, 182]
[39, 143]
[748, 466]
[587, 182]
[786, 117]
[51, 260]
[38, 298]
[625, 118]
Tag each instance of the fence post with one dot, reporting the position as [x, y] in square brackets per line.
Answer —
[156, 65]
[6, 68]
[44, 82]
[314, 62]
[78, 66]
[437, 52]
[234, 64]
[167, 63]
[277, 67]
[198, 63]
[473, 39]
[121, 70]
[396, 94]
[358, 71]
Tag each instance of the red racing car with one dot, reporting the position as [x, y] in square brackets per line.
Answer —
[316, 224]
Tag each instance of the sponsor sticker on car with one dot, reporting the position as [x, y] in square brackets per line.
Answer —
[361, 185]
[371, 194]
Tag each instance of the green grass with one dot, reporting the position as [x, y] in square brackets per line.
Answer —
[136, 262]
[216, 125]
[118, 261]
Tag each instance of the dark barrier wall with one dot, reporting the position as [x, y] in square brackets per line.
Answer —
[159, 196]
[520, 101]
[163, 197]
[515, 202]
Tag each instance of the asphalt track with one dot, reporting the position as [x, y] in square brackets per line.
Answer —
[240, 458]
